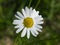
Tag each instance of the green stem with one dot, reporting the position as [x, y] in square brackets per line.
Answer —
[18, 40]
[30, 3]
[37, 4]
[51, 10]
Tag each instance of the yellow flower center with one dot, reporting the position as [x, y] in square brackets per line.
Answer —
[28, 22]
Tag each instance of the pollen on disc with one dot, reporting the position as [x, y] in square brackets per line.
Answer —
[28, 22]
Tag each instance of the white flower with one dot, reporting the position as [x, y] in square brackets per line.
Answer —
[28, 21]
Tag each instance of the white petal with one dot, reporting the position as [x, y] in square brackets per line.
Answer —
[16, 26]
[19, 26]
[17, 17]
[30, 11]
[19, 29]
[36, 32]
[38, 29]
[24, 13]
[37, 12]
[38, 26]
[33, 33]
[28, 33]
[20, 14]
[17, 21]
[34, 14]
[27, 10]
[23, 32]
[41, 18]
[38, 21]
[40, 15]
[38, 18]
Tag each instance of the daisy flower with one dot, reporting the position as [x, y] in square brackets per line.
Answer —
[29, 21]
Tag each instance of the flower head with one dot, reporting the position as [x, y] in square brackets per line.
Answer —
[28, 21]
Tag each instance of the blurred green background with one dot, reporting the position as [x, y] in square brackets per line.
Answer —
[49, 9]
